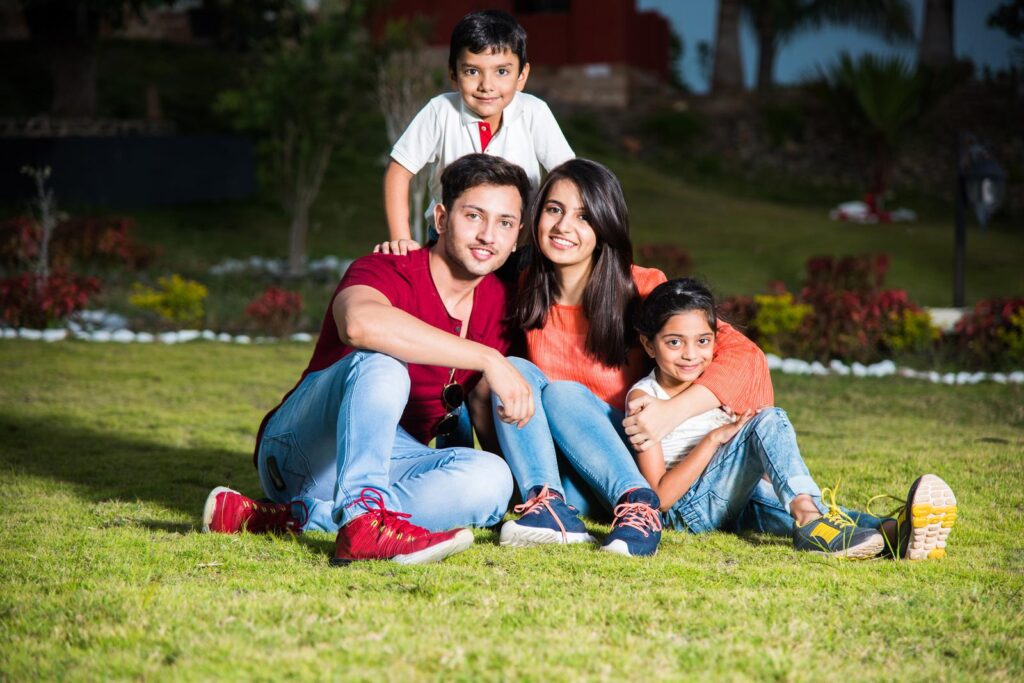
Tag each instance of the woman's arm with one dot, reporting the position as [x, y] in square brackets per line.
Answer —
[738, 378]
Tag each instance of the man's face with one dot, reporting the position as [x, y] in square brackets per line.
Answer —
[481, 230]
[488, 82]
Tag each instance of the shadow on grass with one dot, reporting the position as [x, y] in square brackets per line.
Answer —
[105, 466]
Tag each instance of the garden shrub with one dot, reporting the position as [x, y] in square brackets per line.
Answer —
[993, 333]
[35, 301]
[276, 311]
[177, 300]
[81, 242]
[776, 318]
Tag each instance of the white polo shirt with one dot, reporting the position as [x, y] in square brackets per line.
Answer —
[446, 129]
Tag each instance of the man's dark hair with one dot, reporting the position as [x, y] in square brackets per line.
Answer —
[488, 30]
[473, 170]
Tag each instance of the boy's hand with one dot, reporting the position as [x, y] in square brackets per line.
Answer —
[398, 247]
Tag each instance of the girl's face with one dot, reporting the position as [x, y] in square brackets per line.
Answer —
[682, 348]
[564, 235]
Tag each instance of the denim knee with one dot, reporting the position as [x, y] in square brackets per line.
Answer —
[385, 369]
[486, 498]
[564, 390]
[530, 372]
[769, 420]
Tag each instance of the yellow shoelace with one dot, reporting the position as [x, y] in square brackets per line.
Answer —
[835, 514]
[892, 513]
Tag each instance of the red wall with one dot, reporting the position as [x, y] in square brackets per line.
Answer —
[593, 31]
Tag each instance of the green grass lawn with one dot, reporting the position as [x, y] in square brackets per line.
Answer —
[109, 451]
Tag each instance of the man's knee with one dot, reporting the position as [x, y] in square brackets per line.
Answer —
[490, 489]
[383, 370]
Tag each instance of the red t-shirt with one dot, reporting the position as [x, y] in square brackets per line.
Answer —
[407, 284]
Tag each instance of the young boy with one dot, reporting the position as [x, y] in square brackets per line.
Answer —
[487, 113]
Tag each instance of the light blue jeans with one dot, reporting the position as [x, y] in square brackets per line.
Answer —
[338, 433]
[573, 428]
[732, 493]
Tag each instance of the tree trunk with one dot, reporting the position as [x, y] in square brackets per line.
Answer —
[767, 47]
[67, 32]
[297, 240]
[936, 47]
[73, 70]
[727, 74]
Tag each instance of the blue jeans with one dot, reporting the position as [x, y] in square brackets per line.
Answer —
[338, 433]
[732, 494]
[569, 421]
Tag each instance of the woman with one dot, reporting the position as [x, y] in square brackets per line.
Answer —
[575, 303]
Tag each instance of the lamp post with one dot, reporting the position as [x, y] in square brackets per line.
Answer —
[980, 183]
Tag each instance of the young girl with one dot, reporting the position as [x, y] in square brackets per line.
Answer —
[575, 302]
[708, 470]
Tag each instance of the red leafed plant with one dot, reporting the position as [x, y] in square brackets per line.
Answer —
[993, 332]
[276, 311]
[32, 300]
[75, 242]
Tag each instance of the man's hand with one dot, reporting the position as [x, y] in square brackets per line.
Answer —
[648, 420]
[514, 395]
[397, 247]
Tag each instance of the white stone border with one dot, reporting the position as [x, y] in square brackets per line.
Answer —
[125, 336]
[787, 366]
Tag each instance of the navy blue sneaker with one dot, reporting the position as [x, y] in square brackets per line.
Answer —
[546, 518]
[636, 530]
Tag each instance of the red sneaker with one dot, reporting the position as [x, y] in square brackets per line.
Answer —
[229, 512]
[383, 534]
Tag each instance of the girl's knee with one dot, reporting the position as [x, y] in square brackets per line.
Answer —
[770, 419]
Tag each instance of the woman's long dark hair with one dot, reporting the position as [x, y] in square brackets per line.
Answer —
[610, 296]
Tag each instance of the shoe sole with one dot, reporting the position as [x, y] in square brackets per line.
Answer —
[619, 547]
[932, 516]
[456, 544]
[862, 551]
[211, 506]
[518, 536]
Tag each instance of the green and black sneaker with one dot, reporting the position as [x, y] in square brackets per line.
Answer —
[923, 520]
[837, 535]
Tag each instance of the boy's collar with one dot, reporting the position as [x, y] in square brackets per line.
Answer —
[510, 113]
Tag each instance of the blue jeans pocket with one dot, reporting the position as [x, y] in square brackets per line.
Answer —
[286, 465]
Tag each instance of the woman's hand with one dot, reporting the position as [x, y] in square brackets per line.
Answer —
[398, 247]
[648, 420]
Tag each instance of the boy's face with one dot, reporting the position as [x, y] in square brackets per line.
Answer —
[488, 82]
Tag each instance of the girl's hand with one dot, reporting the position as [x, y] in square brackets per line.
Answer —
[725, 433]
[649, 420]
[398, 247]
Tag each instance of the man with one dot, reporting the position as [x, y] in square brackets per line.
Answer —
[407, 343]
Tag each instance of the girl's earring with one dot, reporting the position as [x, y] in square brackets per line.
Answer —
[513, 248]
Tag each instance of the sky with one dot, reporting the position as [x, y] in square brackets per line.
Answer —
[694, 20]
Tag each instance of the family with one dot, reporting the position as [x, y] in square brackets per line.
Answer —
[609, 392]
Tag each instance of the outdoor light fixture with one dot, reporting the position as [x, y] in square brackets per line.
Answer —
[981, 183]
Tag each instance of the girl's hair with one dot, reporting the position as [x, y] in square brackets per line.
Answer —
[610, 296]
[671, 298]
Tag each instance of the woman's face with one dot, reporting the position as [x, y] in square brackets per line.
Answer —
[564, 235]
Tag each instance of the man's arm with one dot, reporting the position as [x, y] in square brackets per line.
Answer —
[366, 320]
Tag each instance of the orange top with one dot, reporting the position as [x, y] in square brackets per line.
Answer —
[738, 374]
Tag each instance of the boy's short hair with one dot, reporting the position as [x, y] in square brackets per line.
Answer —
[488, 29]
[473, 170]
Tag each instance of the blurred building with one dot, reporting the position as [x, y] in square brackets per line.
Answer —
[602, 53]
